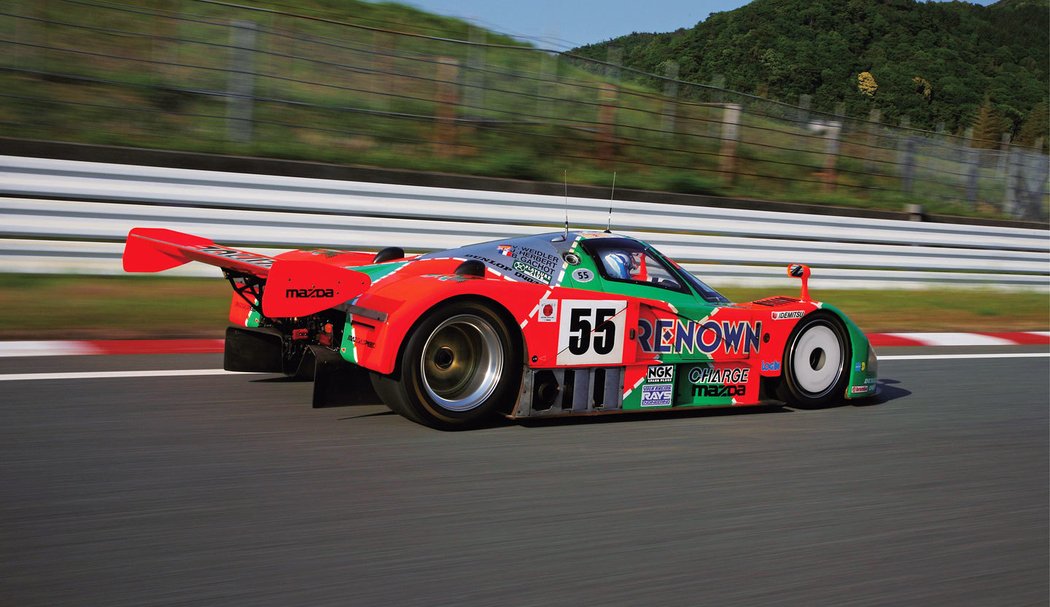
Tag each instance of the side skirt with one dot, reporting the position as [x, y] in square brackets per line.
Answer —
[590, 391]
[554, 392]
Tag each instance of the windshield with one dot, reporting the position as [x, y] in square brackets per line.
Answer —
[701, 288]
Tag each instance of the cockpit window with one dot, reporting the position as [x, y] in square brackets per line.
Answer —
[626, 260]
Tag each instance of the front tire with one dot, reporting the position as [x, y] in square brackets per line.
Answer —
[816, 362]
[459, 367]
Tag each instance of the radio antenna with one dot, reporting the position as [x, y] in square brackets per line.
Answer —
[565, 181]
[612, 196]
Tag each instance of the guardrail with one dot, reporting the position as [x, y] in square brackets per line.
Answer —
[68, 216]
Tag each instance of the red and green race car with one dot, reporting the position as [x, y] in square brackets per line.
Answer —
[557, 324]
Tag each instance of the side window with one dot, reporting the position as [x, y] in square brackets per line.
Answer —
[658, 275]
[627, 262]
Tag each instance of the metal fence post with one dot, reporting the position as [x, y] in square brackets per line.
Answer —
[908, 165]
[1022, 169]
[547, 86]
[445, 111]
[1011, 206]
[670, 98]
[240, 91]
[872, 139]
[384, 78]
[831, 155]
[1004, 152]
[718, 82]
[1037, 171]
[804, 103]
[614, 59]
[730, 137]
[474, 81]
[973, 172]
[607, 94]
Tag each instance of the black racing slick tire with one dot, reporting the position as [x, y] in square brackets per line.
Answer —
[816, 362]
[460, 366]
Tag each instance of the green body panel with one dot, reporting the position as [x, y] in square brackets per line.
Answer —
[683, 392]
[689, 394]
[586, 263]
[347, 348]
[633, 401]
[863, 365]
[254, 319]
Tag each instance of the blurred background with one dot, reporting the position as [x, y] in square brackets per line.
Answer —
[741, 105]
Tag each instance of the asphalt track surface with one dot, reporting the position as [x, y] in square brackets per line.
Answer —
[231, 490]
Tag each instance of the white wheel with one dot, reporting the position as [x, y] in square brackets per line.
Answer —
[816, 362]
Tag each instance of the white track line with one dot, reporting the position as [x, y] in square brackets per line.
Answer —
[32, 349]
[955, 339]
[951, 356]
[117, 374]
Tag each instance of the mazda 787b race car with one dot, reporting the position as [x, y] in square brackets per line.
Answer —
[558, 324]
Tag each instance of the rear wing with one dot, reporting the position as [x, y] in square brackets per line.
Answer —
[158, 249]
[293, 287]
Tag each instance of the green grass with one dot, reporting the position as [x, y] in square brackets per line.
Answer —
[119, 307]
[126, 307]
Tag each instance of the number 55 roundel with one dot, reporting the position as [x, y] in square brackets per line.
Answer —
[591, 331]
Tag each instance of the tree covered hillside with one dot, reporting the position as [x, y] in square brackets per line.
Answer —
[931, 62]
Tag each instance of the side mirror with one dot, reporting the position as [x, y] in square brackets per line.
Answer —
[801, 272]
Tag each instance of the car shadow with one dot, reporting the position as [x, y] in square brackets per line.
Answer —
[279, 379]
[366, 415]
[889, 390]
[642, 416]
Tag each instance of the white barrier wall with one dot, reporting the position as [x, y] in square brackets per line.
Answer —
[60, 216]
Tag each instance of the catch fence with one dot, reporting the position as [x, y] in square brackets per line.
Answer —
[203, 75]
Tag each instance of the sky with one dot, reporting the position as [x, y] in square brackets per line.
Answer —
[564, 24]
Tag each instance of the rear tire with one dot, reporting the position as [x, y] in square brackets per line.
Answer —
[459, 366]
[816, 362]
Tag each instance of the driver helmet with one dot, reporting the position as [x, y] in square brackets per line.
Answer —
[618, 264]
